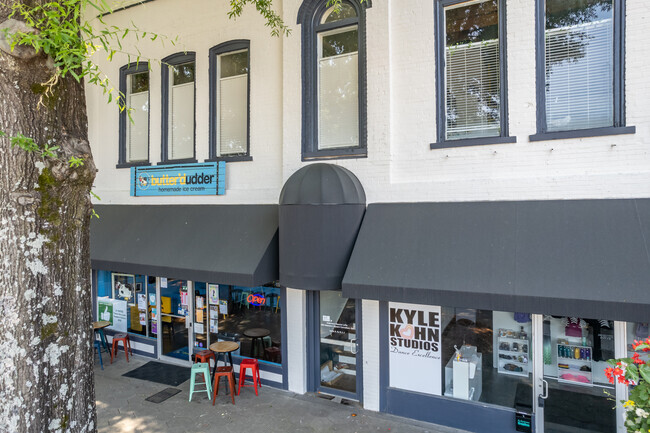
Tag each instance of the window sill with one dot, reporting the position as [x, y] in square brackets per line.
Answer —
[343, 153]
[178, 161]
[583, 133]
[234, 158]
[132, 164]
[483, 141]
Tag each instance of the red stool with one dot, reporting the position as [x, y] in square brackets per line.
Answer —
[204, 356]
[224, 372]
[255, 372]
[126, 343]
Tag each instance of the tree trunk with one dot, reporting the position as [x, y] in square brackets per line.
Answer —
[46, 357]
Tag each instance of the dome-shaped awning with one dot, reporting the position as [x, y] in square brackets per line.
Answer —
[322, 184]
[321, 209]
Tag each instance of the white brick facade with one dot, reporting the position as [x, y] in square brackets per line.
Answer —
[400, 166]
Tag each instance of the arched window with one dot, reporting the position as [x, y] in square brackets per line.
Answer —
[334, 79]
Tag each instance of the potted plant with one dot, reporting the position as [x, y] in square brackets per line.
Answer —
[634, 372]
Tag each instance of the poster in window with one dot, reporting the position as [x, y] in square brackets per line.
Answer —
[105, 310]
[414, 338]
[124, 287]
[142, 301]
[213, 294]
[163, 282]
[223, 306]
[120, 320]
[214, 319]
[113, 311]
[143, 318]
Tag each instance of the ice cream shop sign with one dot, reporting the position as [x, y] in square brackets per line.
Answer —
[184, 179]
[414, 345]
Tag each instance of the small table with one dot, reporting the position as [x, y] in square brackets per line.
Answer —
[98, 327]
[225, 347]
[257, 338]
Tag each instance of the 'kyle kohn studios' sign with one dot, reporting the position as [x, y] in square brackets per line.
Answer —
[414, 347]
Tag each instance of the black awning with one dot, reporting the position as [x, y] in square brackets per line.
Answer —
[229, 244]
[584, 258]
[321, 209]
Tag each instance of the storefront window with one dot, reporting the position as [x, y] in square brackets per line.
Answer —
[476, 355]
[248, 315]
[125, 300]
[637, 331]
[487, 356]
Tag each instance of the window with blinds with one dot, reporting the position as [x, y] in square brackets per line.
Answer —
[232, 102]
[338, 89]
[472, 70]
[137, 123]
[579, 64]
[181, 112]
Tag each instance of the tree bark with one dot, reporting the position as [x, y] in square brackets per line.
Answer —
[46, 354]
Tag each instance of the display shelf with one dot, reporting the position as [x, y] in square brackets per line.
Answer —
[571, 369]
[511, 344]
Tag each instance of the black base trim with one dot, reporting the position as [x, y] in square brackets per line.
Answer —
[132, 164]
[583, 133]
[483, 141]
[178, 161]
[451, 412]
[230, 158]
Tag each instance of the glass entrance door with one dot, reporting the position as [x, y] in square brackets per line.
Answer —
[338, 344]
[575, 395]
[176, 303]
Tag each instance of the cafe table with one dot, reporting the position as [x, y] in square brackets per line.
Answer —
[98, 327]
[223, 347]
[257, 339]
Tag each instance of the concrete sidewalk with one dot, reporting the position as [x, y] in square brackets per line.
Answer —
[121, 408]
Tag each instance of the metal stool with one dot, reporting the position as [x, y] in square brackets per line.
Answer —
[200, 368]
[224, 372]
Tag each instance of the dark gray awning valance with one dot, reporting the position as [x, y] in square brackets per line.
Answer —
[585, 258]
[228, 244]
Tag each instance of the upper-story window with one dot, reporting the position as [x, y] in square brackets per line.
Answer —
[134, 118]
[178, 106]
[334, 92]
[471, 73]
[580, 76]
[230, 101]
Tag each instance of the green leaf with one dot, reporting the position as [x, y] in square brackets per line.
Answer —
[632, 373]
[644, 370]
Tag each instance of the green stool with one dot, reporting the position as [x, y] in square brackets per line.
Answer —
[204, 368]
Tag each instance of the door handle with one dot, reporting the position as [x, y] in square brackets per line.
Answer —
[544, 394]
[355, 346]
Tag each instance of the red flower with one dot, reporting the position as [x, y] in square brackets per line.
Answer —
[637, 359]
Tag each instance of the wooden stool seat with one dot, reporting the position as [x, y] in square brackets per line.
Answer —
[229, 373]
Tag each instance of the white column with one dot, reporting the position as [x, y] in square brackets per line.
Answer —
[539, 387]
[620, 351]
[371, 348]
[296, 340]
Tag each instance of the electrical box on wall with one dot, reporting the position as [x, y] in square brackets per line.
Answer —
[523, 422]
